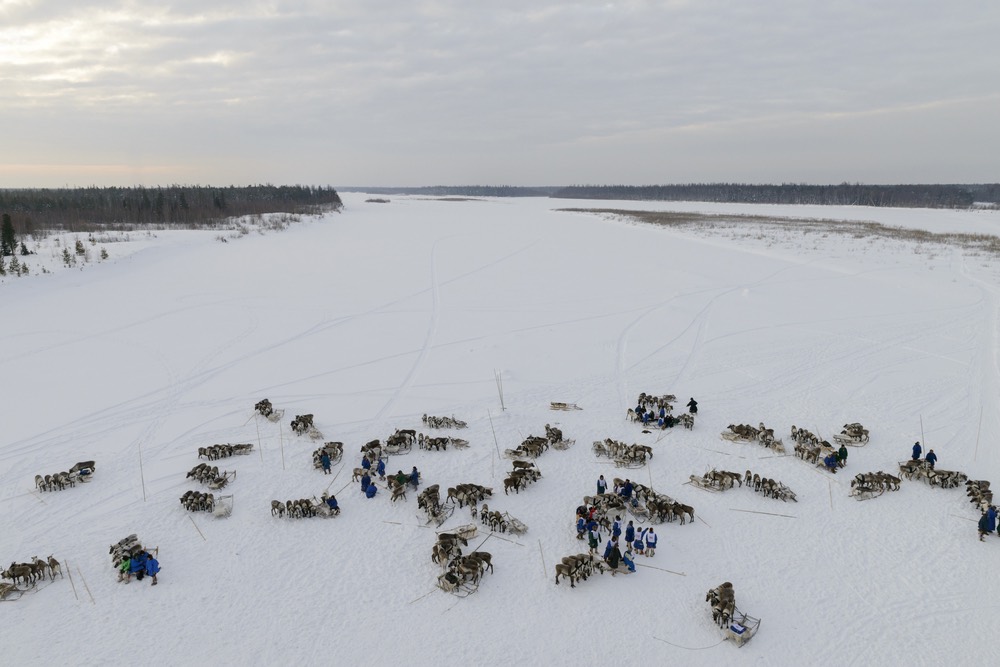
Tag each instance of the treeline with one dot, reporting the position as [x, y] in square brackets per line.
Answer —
[460, 191]
[849, 194]
[82, 209]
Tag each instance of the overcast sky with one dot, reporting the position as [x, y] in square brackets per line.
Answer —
[451, 92]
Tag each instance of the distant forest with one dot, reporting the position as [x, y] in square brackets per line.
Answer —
[849, 194]
[461, 191]
[79, 209]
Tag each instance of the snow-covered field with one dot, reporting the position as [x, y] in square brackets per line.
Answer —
[372, 317]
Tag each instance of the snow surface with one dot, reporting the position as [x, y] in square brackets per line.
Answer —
[374, 316]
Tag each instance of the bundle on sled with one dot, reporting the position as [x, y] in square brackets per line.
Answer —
[556, 405]
[716, 480]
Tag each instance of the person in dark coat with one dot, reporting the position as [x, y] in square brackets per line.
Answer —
[627, 489]
[931, 458]
[916, 451]
[324, 460]
[581, 528]
[831, 463]
[984, 526]
[593, 539]
[602, 485]
[608, 547]
[629, 533]
[842, 456]
[692, 406]
[380, 468]
[615, 557]
[414, 477]
[991, 518]
[370, 491]
[616, 528]
[366, 481]
[332, 503]
[366, 463]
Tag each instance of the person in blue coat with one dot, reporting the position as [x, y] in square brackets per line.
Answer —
[370, 491]
[991, 517]
[414, 477]
[831, 463]
[931, 458]
[984, 526]
[607, 548]
[366, 481]
[138, 566]
[627, 489]
[628, 558]
[650, 541]
[152, 568]
[380, 468]
[366, 463]
[629, 534]
[324, 460]
[332, 503]
[581, 528]
[916, 451]
[616, 528]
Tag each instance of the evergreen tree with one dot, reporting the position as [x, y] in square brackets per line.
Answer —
[8, 242]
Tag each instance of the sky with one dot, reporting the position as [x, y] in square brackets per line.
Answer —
[415, 92]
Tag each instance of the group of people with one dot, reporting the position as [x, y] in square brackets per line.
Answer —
[837, 459]
[368, 486]
[930, 459]
[641, 541]
[663, 418]
[140, 565]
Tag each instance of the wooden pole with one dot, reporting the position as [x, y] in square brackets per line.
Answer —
[979, 430]
[197, 528]
[281, 440]
[70, 572]
[494, 432]
[142, 477]
[80, 572]
[545, 570]
[260, 448]
[922, 439]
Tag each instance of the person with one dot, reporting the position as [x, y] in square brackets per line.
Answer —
[602, 485]
[581, 511]
[366, 481]
[401, 479]
[931, 458]
[414, 477]
[916, 451]
[332, 503]
[627, 489]
[831, 463]
[124, 570]
[371, 490]
[629, 534]
[692, 406]
[629, 558]
[593, 539]
[608, 547]
[592, 512]
[991, 518]
[380, 468]
[614, 558]
[581, 528]
[842, 456]
[984, 526]
[663, 412]
[152, 568]
[616, 527]
[324, 460]
[137, 566]
[366, 462]
[639, 544]
[650, 542]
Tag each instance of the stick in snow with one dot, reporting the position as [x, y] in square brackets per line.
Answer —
[768, 513]
[197, 528]
[71, 581]
[545, 570]
[80, 572]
